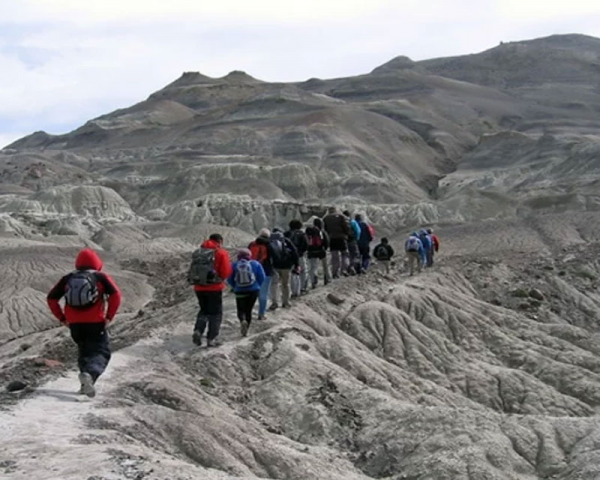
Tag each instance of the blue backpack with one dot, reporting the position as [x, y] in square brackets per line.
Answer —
[244, 275]
[413, 244]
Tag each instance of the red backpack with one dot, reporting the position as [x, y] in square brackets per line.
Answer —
[315, 239]
[259, 252]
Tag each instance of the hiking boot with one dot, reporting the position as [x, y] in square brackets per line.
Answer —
[304, 292]
[287, 305]
[273, 307]
[260, 317]
[197, 338]
[326, 281]
[244, 328]
[213, 343]
[87, 385]
[294, 295]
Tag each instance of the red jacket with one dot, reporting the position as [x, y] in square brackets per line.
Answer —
[87, 260]
[222, 267]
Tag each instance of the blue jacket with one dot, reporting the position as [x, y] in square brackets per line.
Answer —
[259, 273]
[426, 241]
[355, 228]
[365, 234]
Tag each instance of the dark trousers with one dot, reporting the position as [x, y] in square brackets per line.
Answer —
[94, 347]
[245, 303]
[211, 313]
[430, 257]
[365, 254]
[355, 258]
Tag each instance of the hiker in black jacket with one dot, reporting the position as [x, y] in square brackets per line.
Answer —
[318, 244]
[285, 260]
[300, 277]
[383, 253]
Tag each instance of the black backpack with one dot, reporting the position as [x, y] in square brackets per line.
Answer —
[282, 254]
[381, 252]
[82, 289]
[202, 269]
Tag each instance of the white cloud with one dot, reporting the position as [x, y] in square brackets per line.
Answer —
[66, 61]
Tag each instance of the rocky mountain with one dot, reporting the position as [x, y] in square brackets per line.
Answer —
[408, 132]
[484, 367]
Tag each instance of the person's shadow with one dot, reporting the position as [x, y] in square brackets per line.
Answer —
[60, 395]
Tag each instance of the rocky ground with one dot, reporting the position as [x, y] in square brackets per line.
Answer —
[483, 367]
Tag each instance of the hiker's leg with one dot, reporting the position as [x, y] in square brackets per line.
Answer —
[303, 274]
[313, 269]
[295, 283]
[94, 348]
[77, 335]
[214, 311]
[411, 266]
[274, 287]
[240, 307]
[386, 265]
[336, 263]
[365, 253]
[353, 258]
[285, 286]
[202, 317]
[264, 296]
[250, 301]
[325, 266]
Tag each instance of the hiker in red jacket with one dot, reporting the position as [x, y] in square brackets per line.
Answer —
[209, 271]
[86, 315]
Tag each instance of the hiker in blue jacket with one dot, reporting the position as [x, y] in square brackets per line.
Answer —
[247, 277]
[415, 253]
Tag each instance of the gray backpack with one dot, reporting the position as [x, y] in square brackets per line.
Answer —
[82, 289]
[202, 270]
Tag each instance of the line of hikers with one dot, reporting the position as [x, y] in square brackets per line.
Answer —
[282, 266]
[275, 261]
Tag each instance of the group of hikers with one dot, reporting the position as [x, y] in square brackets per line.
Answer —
[276, 266]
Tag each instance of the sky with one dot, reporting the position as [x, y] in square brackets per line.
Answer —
[63, 62]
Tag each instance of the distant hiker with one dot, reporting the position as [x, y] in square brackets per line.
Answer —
[414, 253]
[208, 272]
[84, 313]
[246, 279]
[285, 258]
[383, 253]
[262, 253]
[355, 266]
[338, 229]
[318, 244]
[364, 241]
[298, 238]
[427, 246]
[435, 242]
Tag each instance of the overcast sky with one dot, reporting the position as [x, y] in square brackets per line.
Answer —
[63, 62]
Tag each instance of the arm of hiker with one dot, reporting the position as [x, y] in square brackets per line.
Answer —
[231, 278]
[114, 296]
[54, 297]
[223, 264]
